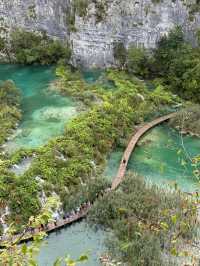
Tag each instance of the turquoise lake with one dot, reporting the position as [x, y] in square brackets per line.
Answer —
[162, 157]
[44, 113]
[73, 240]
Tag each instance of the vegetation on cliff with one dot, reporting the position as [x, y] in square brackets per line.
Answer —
[9, 108]
[174, 61]
[25, 47]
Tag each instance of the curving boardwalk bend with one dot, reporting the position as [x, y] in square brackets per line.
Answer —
[131, 146]
[116, 182]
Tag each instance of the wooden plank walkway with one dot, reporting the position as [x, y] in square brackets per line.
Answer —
[117, 180]
[131, 146]
[50, 227]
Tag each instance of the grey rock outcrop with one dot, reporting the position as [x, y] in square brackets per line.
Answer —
[48, 15]
[138, 22]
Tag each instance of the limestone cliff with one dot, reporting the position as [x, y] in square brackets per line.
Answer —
[141, 22]
[48, 15]
[131, 21]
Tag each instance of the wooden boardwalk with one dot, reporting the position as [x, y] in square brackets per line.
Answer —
[50, 227]
[117, 180]
[131, 146]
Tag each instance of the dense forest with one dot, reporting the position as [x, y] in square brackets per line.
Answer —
[148, 224]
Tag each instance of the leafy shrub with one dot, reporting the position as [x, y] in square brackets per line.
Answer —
[188, 120]
[32, 47]
[9, 108]
[178, 63]
[137, 61]
[120, 53]
[78, 156]
[145, 220]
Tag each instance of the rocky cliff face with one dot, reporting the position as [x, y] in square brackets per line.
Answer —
[141, 22]
[131, 21]
[48, 15]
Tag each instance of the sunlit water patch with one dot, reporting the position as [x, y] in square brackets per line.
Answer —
[45, 113]
[75, 240]
[163, 158]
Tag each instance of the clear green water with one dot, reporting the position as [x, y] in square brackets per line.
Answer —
[74, 240]
[98, 76]
[44, 113]
[92, 76]
[44, 116]
[158, 158]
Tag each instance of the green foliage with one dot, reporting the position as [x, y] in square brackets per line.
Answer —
[161, 96]
[81, 7]
[37, 48]
[4, 47]
[101, 7]
[2, 44]
[78, 156]
[21, 195]
[120, 53]
[167, 48]
[174, 61]
[145, 220]
[85, 193]
[188, 120]
[14, 254]
[9, 108]
[137, 61]
[178, 64]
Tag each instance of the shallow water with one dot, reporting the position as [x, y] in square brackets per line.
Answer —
[91, 76]
[161, 159]
[75, 240]
[45, 113]
[22, 167]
